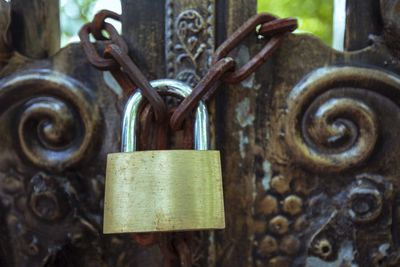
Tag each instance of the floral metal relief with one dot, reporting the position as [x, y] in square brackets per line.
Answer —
[190, 41]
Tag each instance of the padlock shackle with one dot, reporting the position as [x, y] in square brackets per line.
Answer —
[169, 86]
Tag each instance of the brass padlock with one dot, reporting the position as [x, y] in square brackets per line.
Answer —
[163, 190]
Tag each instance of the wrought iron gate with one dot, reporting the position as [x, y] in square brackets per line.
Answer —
[309, 143]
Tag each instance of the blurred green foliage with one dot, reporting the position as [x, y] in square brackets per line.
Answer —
[73, 14]
[315, 16]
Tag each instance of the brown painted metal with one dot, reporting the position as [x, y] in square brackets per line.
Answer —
[35, 27]
[363, 21]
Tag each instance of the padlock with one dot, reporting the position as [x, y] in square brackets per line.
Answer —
[163, 190]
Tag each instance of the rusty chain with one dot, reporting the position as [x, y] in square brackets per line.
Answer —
[176, 247]
[117, 60]
[223, 67]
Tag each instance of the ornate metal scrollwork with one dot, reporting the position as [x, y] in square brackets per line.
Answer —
[333, 120]
[57, 119]
[333, 133]
[190, 42]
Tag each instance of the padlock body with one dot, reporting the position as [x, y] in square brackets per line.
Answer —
[163, 190]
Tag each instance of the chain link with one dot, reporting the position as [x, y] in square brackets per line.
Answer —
[272, 28]
[97, 60]
[207, 86]
[99, 21]
[117, 60]
[138, 78]
[176, 247]
[278, 27]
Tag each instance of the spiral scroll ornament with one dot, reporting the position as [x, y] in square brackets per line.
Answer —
[189, 25]
[332, 132]
[56, 117]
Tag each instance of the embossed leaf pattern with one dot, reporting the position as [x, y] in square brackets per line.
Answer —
[189, 25]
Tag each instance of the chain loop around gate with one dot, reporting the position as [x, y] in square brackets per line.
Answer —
[177, 247]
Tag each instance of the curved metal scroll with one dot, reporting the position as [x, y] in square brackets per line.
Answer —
[48, 132]
[333, 133]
